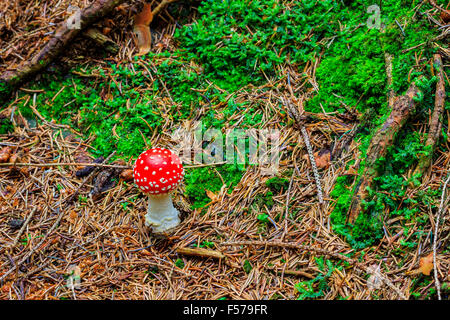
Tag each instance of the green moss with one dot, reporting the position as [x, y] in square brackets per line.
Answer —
[6, 126]
[247, 266]
[264, 199]
[352, 75]
[179, 263]
[276, 184]
[198, 180]
[238, 42]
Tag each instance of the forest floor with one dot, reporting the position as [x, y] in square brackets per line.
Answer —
[229, 64]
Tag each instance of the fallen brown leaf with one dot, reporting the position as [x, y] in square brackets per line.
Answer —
[5, 154]
[426, 264]
[445, 16]
[127, 175]
[323, 158]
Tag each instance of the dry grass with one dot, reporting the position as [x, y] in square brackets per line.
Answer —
[105, 237]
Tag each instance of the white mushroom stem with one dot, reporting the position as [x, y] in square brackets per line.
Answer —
[161, 214]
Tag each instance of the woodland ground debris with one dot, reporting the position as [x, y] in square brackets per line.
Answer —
[342, 76]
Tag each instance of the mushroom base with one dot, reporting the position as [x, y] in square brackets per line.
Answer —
[161, 214]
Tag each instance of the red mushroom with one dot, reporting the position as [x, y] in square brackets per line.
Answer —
[157, 172]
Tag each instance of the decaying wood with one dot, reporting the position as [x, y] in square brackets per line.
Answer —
[445, 14]
[102, 40]
[201, 252]
[60, 40]
[382, 139]
[436, 118]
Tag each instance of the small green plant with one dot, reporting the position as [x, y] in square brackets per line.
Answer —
[277, 184]
[179, 263]
[205, 244]
[263, 217]
[24, 241]
[318, 286]
[6, 126]
[247, 266]
[124, 205]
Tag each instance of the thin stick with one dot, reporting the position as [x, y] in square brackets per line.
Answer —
[286, 213]
[313, 164]
[294, 114]
[56, 164]
[297, 273]
[201, 252]
[23, 227]
[161, 6]
[436, 230]
[85, 164]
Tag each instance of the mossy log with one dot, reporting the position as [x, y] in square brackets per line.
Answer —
[435, 126]
[56, 45]
[402, 108]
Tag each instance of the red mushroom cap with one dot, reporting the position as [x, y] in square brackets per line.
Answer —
[157, 171]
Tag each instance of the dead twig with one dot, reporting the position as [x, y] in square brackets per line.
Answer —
[436, 119]
[295, 115]
[381, 140]
[436, 230]
[23, 228]
[103, 165]
[201, 252]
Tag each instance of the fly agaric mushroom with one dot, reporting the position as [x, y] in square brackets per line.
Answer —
[157, 172]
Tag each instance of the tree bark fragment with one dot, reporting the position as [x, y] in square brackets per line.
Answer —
[402, 108]
[435, 126]
[102, 40]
